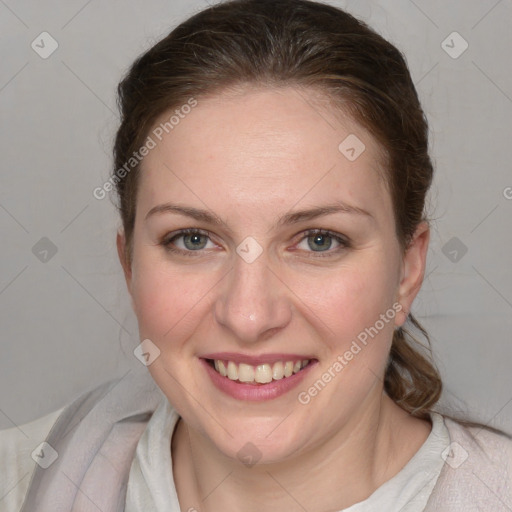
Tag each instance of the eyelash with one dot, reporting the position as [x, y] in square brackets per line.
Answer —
[166, 242]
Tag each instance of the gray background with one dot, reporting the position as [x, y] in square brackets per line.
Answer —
[67, 324]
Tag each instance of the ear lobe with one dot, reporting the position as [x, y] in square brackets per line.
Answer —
[121, 252]
[413, 269]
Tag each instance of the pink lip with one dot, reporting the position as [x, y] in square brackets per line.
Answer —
[255, 392]
[255, 360]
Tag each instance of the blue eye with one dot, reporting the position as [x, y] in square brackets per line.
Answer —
[322, 239]
[191, 241]
[195, 240]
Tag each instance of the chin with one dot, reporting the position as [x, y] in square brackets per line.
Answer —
[257, 442]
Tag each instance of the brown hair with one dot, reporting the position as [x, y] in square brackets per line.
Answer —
[299, 43]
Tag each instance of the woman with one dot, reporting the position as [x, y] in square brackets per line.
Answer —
[271, 168]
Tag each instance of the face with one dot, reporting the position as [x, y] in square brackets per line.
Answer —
[256, 282]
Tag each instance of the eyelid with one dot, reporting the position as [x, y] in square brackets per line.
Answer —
[341, 239]
[169, 238]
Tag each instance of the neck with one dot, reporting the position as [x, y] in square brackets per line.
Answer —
[371, 448]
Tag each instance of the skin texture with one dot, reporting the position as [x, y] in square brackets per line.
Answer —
[250, 157]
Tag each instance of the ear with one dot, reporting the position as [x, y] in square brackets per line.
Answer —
[121, 252]
[413, 271]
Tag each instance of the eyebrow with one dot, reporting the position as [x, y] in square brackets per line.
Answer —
[287, 219]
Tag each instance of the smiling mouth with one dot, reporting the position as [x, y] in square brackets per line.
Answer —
[258, 374]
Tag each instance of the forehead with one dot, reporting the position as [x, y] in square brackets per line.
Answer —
[262, 150]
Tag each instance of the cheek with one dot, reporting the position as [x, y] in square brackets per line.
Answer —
[352, 297]
[356, 304]
[166, 300]
[171, 301]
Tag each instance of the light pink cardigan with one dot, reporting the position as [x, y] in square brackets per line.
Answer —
[96, 436]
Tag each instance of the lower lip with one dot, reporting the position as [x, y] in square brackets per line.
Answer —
[256, 392]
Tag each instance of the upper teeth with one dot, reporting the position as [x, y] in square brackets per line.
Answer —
[261, 373]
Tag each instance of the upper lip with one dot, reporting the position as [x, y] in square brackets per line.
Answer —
[255, 360]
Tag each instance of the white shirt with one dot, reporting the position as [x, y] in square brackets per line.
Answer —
[481, 480]
[151, 483]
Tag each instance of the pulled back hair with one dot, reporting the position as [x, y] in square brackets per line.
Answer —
[298, 43]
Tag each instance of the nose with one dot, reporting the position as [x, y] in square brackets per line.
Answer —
[253, 302]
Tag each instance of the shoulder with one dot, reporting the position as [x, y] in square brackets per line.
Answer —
[477, 474]
[483, 444]
[16, 463]
[102, 424]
